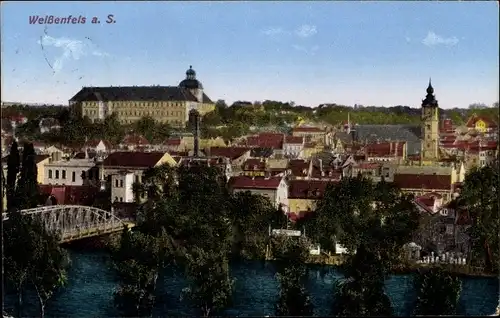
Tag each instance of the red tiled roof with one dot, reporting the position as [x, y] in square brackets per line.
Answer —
[307, 189]
[172, 142]
[385, 149]
[293, 140]
[266, 140]
[133, 159]
[228, 152]
[471, 123]
[308, 130]
[74, 195]
[422, 181]
[244, 182]
[134, 140]
[297, 167]
[254, 164]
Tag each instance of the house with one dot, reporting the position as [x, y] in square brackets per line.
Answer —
[482, 124]
[272, 141]
[371, 170]
[254, 167]
[70, 172]
[299, 168]
[98, 146]
[133, 142]
[480, 153]
[311, 149]
[237, 155]
[314, 134]
[122, 186]
[386, 151]
[274, 188]
[439, 180]
[174, 144]
[48, 124]
[293, 146]
[304, 194]
[137, 162]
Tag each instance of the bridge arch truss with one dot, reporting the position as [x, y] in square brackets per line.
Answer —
[74, 222]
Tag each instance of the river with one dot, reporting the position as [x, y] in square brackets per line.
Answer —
[89, 292]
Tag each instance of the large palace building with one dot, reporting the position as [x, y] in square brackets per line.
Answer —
[167, 104]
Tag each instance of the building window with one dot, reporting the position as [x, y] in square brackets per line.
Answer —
[73, 176]
[50, 173]
[57, 174]
[116, 199]
[121, 183]
[136, 179]
[63, 174]
[121, 199]
[116, 183]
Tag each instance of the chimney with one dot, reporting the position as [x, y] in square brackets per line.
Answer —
[396, 149]
[194, 118]
[320, 165]
[390, 147]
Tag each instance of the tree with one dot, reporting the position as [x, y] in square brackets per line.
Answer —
[290, 254]
[27, 192]
[211, 286]
[13, 165]
[49, 270]
[138, 260]
[251, 215]
[372, 222]
[438, 292]
[356, 212]
[362, 293]
[479, 197]
[33, 255]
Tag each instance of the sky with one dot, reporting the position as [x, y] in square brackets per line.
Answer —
[368, 53]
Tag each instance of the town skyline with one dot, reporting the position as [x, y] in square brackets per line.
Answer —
[243, 51]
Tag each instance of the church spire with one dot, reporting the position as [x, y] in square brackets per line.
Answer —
[430, 99]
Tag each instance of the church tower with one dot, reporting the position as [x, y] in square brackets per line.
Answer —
[192, 84]
[430, 128]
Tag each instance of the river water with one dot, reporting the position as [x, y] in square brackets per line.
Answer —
[91, 282]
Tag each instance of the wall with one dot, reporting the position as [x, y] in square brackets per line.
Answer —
[122, 187]
[300, 205]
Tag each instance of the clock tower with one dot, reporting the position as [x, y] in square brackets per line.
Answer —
[430, 127]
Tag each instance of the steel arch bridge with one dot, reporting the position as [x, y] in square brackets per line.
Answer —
[75, 222]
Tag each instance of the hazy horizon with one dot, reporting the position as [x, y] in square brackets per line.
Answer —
[312, 53]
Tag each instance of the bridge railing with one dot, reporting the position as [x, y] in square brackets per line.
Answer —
[75, 221]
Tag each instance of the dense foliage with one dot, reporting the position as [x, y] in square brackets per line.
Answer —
[373, 222]
[290, 255]
[32, 255]
[479, 197]
[438, 292]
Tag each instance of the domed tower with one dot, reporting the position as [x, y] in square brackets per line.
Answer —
[192, 84]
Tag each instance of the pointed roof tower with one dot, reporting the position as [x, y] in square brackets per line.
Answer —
[430, 99]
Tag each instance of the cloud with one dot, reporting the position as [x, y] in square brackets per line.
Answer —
[308, 50]
[303, 31]
[407, 39]
[432, 39]
[71, 50]
[274, 32]
[306, 30]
